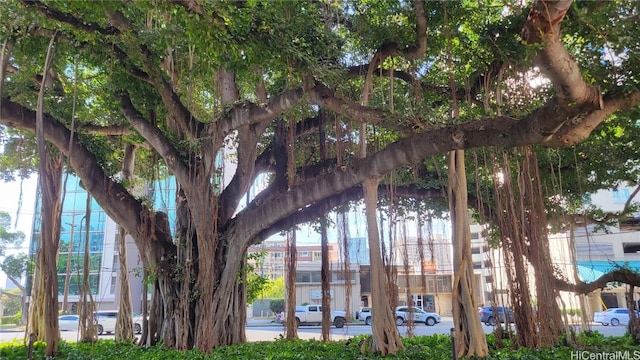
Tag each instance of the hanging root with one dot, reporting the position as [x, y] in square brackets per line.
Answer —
[365, 344]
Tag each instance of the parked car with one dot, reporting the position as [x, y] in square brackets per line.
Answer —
[137, 323]
[405, 314]
[69, 322]
[106, 320]
[613, 316]
[488, 318]
[364, 314]
[312, 315]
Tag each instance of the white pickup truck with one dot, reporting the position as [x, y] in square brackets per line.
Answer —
[312, 315]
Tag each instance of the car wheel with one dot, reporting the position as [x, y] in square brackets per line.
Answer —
[399, 321]
[339, 322]
[297, 322]
[100, 329]
[605, 324]
[615, 322]
[367, 321]
[491, 321]
[137, 328]
[430, 321]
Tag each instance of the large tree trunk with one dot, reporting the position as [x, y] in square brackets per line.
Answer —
[44, 314]
[385, 336]
[469, 339]
[202, 315]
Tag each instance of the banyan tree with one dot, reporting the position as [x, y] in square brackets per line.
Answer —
[220, 94]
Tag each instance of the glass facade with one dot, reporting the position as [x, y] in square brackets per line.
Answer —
[102, 241]
[73, 238]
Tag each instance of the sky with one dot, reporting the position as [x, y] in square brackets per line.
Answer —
[12, 192]
[10, 200]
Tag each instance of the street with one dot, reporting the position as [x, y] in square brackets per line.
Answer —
[264, 330]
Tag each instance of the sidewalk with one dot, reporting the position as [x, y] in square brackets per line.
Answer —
[261, 322]
[12, 329]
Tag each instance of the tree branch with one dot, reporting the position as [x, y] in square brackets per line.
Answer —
[156, 139]
[105, 130]
[543, 27]
[621, 275]
[69, 19]
[247, 113]
[117, 202]
[576, 131]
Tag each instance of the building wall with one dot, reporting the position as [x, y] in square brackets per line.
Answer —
[598, 253]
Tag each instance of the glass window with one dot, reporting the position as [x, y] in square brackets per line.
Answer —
[112, 289]
[75, 284]
[620, 196]
[303, 277]
[316, 276]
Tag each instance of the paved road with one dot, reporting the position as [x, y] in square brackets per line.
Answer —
[263, 330]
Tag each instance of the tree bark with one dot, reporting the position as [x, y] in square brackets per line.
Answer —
[634, 321]
[124, 323]
[88, 329]
[385, 336]
[549, 318]
[326, 281]
[50, 170]
[290, 287]
[470, 339]
[512, 224]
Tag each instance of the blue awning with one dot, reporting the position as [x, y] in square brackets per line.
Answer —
[589, 271]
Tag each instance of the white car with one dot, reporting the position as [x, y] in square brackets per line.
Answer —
[69, 322]
[405, 314]
[613, 316]
[106, 320]
[137, 323]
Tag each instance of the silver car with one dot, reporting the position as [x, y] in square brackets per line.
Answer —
[406, 314]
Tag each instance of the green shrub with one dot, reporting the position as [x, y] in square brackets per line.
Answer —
[6, 320]
[436, 347]
[17, 317]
